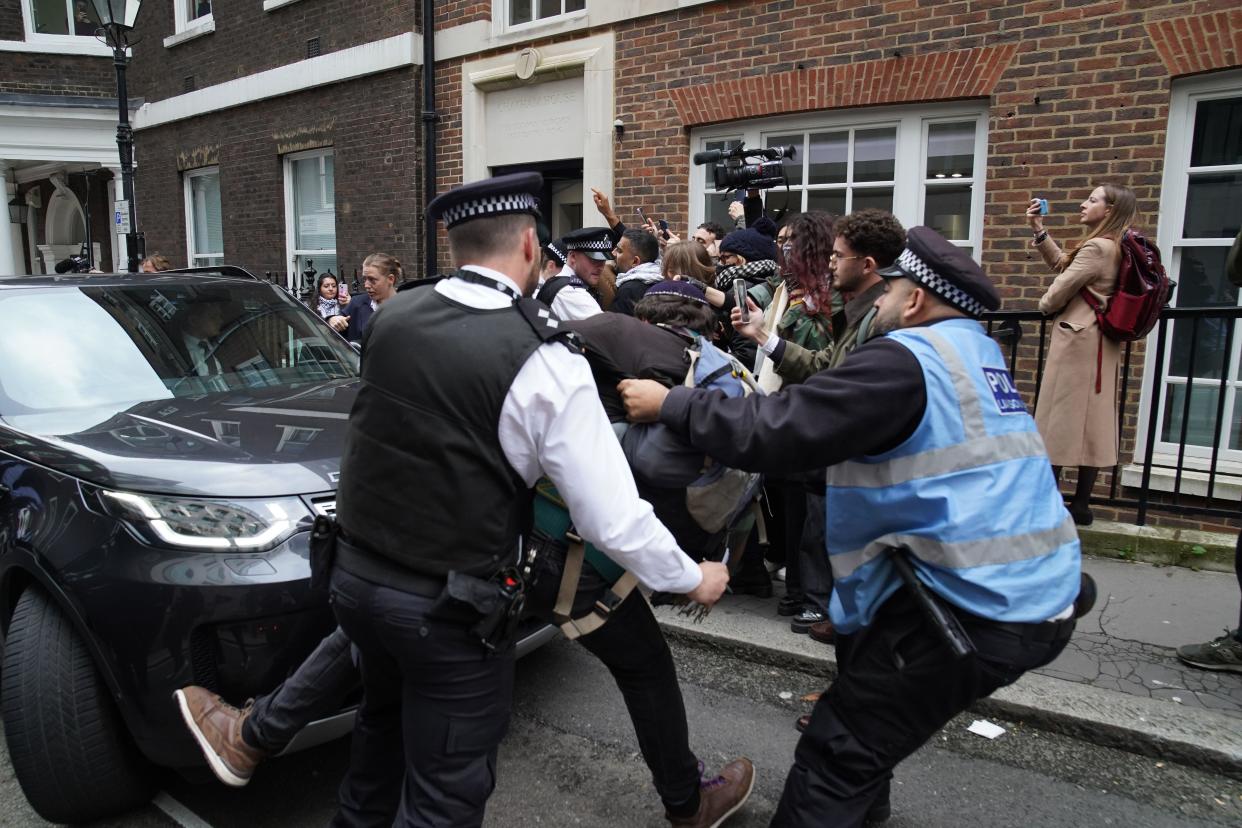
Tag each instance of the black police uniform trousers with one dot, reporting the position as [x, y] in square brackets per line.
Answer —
[898, 684]
[435, 707]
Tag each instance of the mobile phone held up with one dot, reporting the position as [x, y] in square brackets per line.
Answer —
[663, 225]
[1043, 206]
[739, 298]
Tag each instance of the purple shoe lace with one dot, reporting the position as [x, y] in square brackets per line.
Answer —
[706, 784]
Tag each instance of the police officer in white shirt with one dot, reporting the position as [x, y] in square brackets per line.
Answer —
[439, 460]
[569, 292]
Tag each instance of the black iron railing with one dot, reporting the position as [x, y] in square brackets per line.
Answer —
[1011, 329]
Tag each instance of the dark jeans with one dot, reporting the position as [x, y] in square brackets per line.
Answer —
[314, 690]
[900, 686]
[816, 572]
[434, 710]
[633, 649]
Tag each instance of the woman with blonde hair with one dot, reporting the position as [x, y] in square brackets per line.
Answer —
[1077, 408]
[381, 273]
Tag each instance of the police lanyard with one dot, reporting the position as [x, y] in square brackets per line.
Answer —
[487, 281]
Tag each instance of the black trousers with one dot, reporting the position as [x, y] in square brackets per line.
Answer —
[898, 687]
[435, 707]
[314, 690]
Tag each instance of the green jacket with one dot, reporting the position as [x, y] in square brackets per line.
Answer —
[798, 362]
[796, 326]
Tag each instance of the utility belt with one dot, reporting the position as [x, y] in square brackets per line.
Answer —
[492, 606]
[955, 625]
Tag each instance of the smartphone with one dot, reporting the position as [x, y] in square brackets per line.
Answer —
[739, 298]
[1043, 206]
[663, 225]
[641, 215]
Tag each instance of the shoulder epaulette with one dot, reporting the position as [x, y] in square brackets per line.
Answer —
[417, 283]
[545, 324]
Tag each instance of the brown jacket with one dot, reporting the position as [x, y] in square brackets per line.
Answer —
[1079, 426]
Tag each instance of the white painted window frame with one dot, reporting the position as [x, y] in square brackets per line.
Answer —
[909, 173]
[500, 17]
[193, 255]
[183, 21]
[1185, 96]
[291, 248]
[72, 43]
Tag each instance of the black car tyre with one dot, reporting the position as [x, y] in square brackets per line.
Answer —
[70, 750]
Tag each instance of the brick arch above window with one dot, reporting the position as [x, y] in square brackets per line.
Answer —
[938, 76]
[1198, 42]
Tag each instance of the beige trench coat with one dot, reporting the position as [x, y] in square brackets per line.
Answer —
[1078, 425]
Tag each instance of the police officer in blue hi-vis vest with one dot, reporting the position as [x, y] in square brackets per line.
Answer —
[934, 468]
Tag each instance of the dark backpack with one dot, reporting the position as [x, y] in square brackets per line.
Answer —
[1142, 291]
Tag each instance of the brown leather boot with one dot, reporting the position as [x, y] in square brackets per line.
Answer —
[823, 632]
[719, 798]
[217, 727]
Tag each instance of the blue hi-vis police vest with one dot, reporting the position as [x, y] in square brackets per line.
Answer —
[970, 492]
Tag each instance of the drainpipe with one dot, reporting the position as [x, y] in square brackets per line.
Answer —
[430, 118]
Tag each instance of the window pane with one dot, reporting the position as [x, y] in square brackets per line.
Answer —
[947, 211]
[1212, 206]
[714, 209]
[827, 201]
[780, 199]
[85, 19]
[519, 11]
[197, 8]
[875, 154]
[50, 16]
[549, 8]
[793, 166]
[951, 150]
[1201, 282]
[879, 198]
[1218, 133]
[313, 204]
[575, 5]
[320, 263]
[1201, 423]
[830, 157]
[205, 198]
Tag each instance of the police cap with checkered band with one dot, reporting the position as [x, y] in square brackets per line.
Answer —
[594, 242]
[934, 263]
[500, 196]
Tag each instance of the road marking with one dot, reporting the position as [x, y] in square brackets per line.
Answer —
[180, 814]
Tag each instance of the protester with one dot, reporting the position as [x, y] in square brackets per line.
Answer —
[155, 263]
[638, 267]
[906, 426]
[437, 490]
[1077, 407]
[330, 301]
[381, 274]
[709, 234]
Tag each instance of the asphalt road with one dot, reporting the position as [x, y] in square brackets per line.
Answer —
[570, 759]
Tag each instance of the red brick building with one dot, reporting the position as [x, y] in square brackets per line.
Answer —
[951, 114]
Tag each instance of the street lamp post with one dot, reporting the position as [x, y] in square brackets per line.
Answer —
[116, 20]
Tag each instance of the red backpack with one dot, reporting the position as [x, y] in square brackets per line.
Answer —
[1142, 291]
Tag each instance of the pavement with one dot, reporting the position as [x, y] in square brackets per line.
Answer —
[1118, 682]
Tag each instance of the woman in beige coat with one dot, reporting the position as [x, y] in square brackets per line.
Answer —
[1077, 408]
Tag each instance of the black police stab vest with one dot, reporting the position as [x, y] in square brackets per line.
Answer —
[424, 480]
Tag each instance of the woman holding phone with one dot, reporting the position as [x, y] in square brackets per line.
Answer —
[1077, 408]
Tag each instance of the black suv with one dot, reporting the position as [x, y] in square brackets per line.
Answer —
[165, 442]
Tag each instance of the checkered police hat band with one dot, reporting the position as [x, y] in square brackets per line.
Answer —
[604, 244]
[937, 284]
[491, 206]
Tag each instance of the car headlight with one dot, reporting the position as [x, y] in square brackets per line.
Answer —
[201, 523]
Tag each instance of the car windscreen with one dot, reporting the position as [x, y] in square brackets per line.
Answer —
[66, 348]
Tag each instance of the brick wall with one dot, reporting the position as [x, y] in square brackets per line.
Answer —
[35, 73]
[371, 123]
[248, 39]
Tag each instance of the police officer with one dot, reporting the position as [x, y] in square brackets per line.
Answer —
[469, 394]
[569, 293]
[930, 448]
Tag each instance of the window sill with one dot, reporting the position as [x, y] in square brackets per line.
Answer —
[88, 46]
[269, 5]
[190, 32]
[1194, 483]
